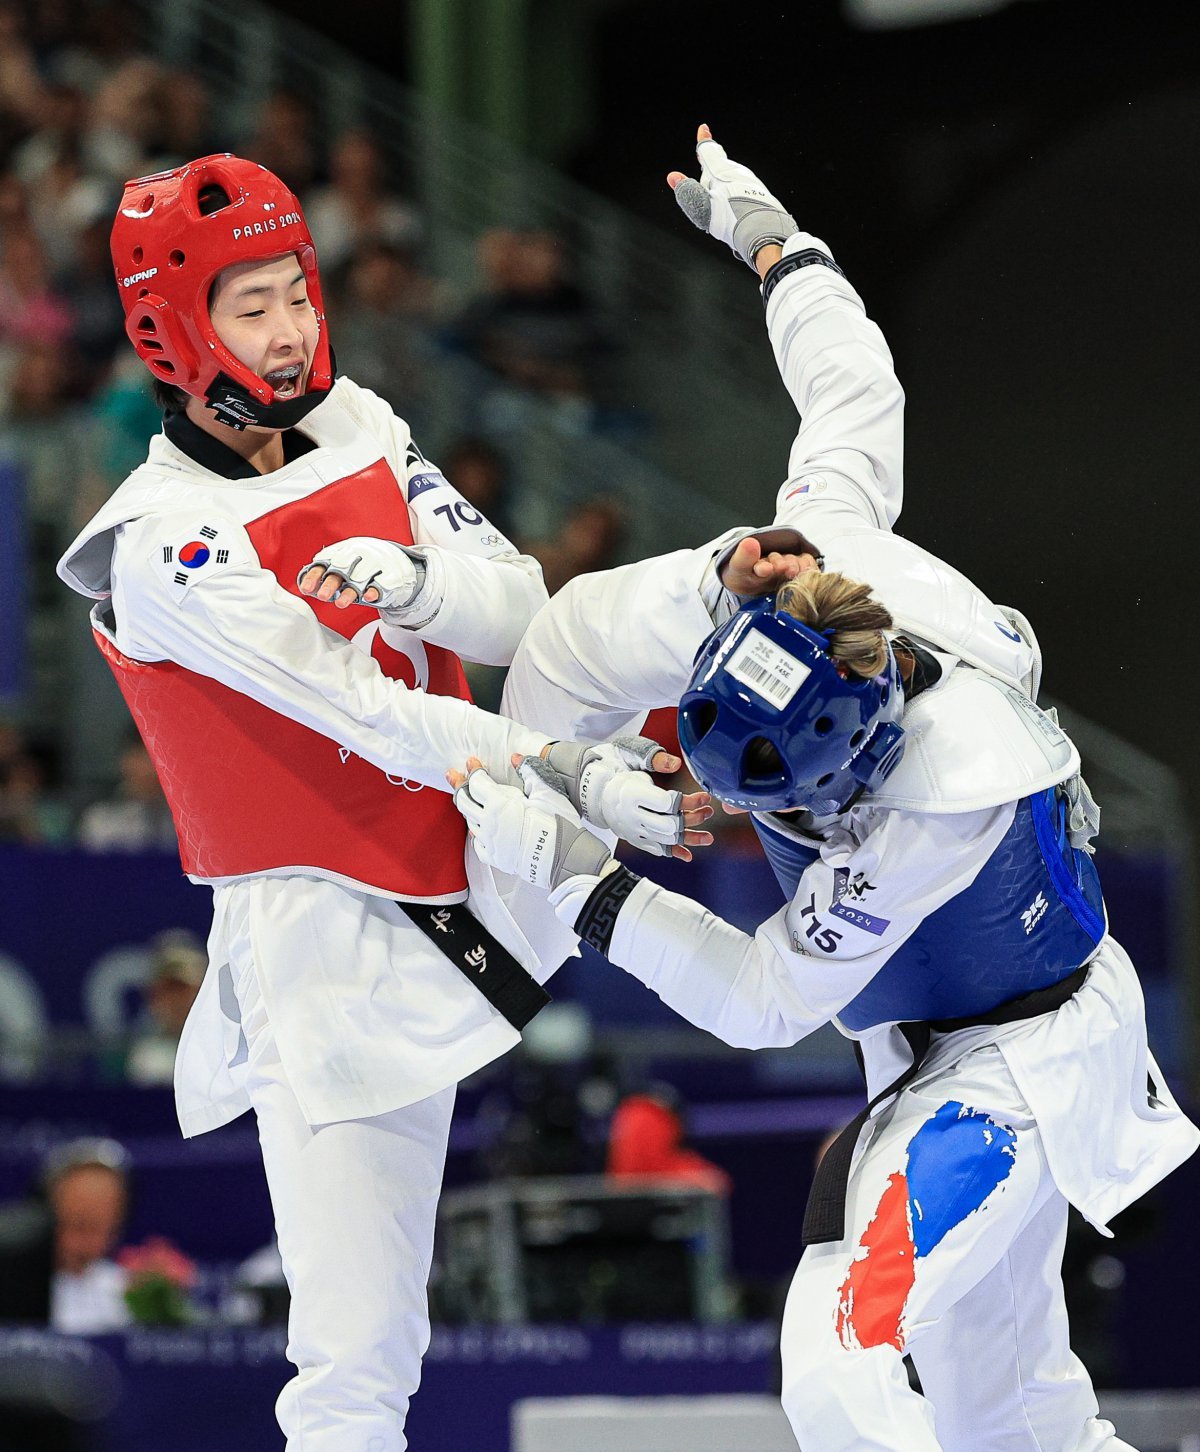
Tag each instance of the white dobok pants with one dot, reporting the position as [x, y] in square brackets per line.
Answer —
[952, 1253]
[355, 1204]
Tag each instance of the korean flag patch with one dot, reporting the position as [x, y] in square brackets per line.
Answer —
[192, 555]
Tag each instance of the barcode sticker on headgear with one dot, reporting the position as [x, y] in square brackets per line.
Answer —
[768, 670]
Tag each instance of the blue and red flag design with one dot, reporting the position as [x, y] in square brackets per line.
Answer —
[193, 555]
[956, 1160]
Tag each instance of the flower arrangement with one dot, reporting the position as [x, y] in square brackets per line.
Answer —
[158, 1278]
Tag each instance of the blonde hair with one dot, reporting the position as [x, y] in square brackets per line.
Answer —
[832, 603]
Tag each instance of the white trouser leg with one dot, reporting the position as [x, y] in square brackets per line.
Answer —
[998, 1365]
[355, 1204]
[950, 1177]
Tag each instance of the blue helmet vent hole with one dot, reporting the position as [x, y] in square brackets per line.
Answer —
[823, 725]
[701, 719]
[763, 769]
[856, 739]
[823, 781]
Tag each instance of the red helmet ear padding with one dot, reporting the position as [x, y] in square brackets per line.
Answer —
[161, 343]
[168, 246]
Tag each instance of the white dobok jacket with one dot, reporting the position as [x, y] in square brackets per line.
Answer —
[612, 646]
[303, 748]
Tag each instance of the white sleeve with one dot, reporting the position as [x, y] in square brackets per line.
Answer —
[613, 645]
[849, 450]
[855, 906]
[229, 619]
[480, 592]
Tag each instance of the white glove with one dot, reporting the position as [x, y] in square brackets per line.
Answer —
[394, 571]
[532, 831]
[608, 785]
[730, 203]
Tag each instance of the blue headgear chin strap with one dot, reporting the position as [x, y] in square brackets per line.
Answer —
[767, 722]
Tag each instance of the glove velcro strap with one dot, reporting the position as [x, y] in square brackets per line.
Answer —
[487, 964]
[810, 257]
[598, 917]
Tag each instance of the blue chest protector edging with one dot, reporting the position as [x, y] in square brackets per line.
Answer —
[1032, 916]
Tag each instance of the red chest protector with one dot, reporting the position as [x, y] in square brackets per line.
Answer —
[252, 790]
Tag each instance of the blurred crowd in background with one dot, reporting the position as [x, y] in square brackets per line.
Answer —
[82, 111]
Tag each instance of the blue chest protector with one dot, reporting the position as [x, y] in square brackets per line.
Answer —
[1032, 916]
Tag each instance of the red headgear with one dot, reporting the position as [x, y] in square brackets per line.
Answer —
[167, 250]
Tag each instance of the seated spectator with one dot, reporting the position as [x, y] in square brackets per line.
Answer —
[185, 121]
[532, 325]
[86, 286]
[386, 311]
[55, 1247]
[480, 473]
[357, 205]
[31, 310]
[283, 141]
[124, 120]
[176, 971]
[29, 812]
[590, 538]
[646, 1142]
[136, 818]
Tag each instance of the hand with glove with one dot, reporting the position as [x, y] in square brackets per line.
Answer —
[608, 785]
[363, 571]
[730, 203]
[530, 831]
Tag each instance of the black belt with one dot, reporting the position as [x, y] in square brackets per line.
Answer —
[489, 966]
[825, 1214]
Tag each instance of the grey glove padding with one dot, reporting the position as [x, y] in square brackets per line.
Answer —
[570, 759]
[577, 852]
[756, 224]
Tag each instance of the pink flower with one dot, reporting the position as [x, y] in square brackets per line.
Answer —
[158, 1257]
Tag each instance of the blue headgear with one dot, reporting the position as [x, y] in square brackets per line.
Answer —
[768, 724]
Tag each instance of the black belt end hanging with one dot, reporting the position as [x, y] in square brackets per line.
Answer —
[485, 963]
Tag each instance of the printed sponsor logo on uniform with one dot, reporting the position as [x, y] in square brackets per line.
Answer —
[814, 486]
[1034, 913]
[421, 483]
[272, 224]
[848, 893]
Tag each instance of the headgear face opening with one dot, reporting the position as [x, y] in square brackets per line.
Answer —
[768, 724]
[174, 233]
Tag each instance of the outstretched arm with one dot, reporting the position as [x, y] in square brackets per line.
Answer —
[800, 968]
[846, 465]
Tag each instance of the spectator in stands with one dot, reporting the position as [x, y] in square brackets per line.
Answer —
[480, 473]
[176, 971]
[31, 311]
[646, 1142]
[55, 1247]
[357, 205]
[29, 813]
[98, 324]
[283, 141]
[386, 313]
[590, 538]
[185, 121]
[124, 121]
[136, 818]
[533, 326]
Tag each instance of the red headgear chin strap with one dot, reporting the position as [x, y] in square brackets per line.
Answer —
[174, 232]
